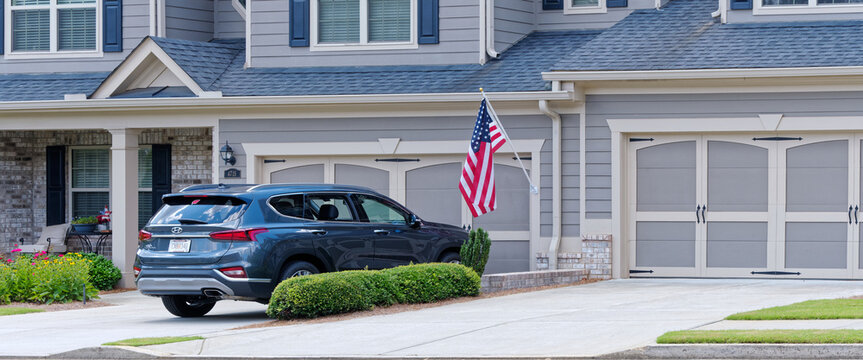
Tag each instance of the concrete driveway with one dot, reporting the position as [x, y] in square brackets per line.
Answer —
[583, 320]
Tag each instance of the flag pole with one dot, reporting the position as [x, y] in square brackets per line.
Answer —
[533, 188]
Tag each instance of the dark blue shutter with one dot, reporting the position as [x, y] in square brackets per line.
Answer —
[55, 185]
[741, 4]
[552, 4]
[299, 13]
[428, 25]
[2, 16]
[112, 21]
[161, 174]
[616, 3]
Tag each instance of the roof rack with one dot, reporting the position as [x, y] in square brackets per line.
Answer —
[214, 186]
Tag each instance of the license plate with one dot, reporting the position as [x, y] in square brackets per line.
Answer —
[180, 245]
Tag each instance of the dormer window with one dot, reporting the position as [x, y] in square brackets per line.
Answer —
[780, 7]
[46, 27]
[584, 7]
[363, 24]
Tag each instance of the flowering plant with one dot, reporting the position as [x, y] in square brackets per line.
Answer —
[46, 278]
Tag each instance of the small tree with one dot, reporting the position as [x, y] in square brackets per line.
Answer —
[474, 252]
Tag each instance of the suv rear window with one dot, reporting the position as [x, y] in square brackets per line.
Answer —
[193, 210]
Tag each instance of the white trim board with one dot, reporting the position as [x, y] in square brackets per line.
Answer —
[763, 122]
[701, 73]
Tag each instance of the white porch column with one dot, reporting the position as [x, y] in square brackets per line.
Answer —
[124, 201]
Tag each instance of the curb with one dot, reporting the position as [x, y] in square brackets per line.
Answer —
[742, 351]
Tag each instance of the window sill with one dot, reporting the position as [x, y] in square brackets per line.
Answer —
[585, 10]
[806, 10]
[363, 47]
[56, 55]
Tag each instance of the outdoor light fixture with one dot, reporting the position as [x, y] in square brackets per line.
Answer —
[227, 154]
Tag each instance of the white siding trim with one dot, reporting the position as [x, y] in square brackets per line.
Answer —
[701, 73]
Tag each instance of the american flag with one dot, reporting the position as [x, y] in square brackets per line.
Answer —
[477, 177]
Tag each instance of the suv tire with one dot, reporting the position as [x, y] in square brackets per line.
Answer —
[185, 306]
[451, 257]
[299, 268]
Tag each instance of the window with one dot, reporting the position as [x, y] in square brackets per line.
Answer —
[363, 24]
[379, 211]
[91, 182]
[773, 7]
[324, 207]
[585, 6]
[52, 26]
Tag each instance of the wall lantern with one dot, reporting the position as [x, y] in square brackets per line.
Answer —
[227, 154]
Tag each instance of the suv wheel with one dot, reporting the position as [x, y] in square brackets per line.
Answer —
[187, 306]
[451, 257]
[299, 268]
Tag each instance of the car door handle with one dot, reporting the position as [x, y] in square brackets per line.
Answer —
[382, 232]
[318, 232]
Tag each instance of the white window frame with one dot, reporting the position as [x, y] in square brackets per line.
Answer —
[600, 8]
[364, 43]
[811, 8]
[69, 197]
[53, 52]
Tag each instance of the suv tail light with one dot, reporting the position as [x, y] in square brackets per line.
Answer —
[144, 235]
[238, 235]
[137, 270]
[236, 272]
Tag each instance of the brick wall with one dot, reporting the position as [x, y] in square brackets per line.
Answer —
[595, 257]
[22, 171]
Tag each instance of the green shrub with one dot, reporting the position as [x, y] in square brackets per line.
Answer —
[86, 220]
[474, 252]
[46, 279]
[103, 274]
[346, 291]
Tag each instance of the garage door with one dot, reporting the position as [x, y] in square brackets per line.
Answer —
[777, 205]
[428, 186]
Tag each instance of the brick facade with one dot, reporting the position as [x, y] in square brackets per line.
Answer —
[595, 257]
[22, 165]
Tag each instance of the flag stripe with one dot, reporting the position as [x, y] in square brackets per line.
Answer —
[477, 177]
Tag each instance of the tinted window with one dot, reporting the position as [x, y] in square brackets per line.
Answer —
[191, 210]
[378, 210]
[288, 205]
[325, 207]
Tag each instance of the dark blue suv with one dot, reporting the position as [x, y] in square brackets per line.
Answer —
[213, 242]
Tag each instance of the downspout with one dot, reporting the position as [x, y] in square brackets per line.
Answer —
[555, 182]
[722, 12]
[482, 32]
[153, 16]
[489, 32]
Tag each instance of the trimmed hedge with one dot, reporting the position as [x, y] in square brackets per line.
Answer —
[103, 274]
[346, 291]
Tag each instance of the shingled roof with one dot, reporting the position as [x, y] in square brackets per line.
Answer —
[29, 87]
[683, 35]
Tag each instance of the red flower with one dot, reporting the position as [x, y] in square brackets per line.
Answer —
[16, 250]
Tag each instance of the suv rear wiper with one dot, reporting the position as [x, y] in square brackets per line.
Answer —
[192, 222]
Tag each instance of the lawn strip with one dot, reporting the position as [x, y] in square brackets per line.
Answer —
[762, 337]
[152, 340]
[17, 310]
[807, 310]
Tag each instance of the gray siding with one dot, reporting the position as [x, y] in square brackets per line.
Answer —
[514, 19]
[746, 16]
[238, 132]
[557, 20]
[189, 19]
[459, 40]
[603, 107]
[228, 23]
[136, 25]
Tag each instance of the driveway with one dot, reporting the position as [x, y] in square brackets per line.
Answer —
[582, 320]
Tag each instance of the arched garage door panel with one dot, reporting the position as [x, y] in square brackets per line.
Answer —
[376, 179]
[300, 174]
[433, 194]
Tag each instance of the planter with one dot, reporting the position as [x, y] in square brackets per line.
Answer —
[84, 228]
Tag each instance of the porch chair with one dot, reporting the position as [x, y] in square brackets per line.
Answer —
[53, 236]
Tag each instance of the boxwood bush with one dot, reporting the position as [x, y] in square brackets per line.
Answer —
[339, 292]
[103, 274]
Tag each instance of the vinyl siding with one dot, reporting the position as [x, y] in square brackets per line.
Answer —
[189, 19]
[602, 107]
[420, 129]
[136, 25]
[228, 23]
[459, 40]
[514, 19]
[557, 20]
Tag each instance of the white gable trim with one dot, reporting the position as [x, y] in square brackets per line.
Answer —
[142, 64]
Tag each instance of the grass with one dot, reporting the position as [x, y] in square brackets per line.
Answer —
[762, 337]
[807, 310]
[152, 340]
[17, 310]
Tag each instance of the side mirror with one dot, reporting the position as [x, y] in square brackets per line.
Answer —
[414, 221]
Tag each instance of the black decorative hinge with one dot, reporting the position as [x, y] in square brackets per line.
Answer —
[640, 139]
[641, 271]
[777, 138]
[523, 158]
[273, 161]
[774, 273]
[397, 160]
